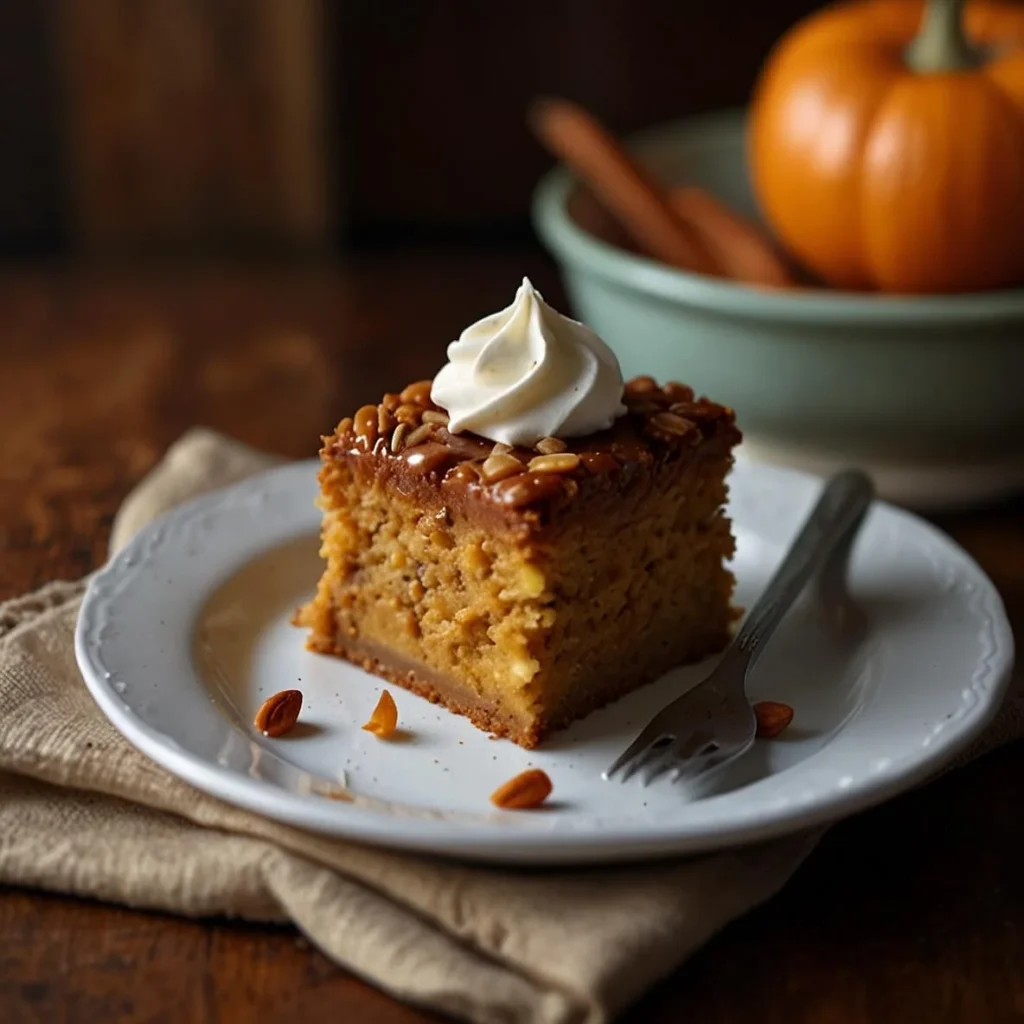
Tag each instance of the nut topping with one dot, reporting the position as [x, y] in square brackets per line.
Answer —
[420, 434]
[669, 424]
[551, 446]
[772, 718]
[365, 424]
[498, 467]
[384, 719]
[398, 437]
[278, 714]
[676, 392]
[639, 387]
[564, 463]
[409, 413]
[418, 393]
[527, 790]
[659, 421]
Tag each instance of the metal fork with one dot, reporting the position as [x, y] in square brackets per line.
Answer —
[713, 724]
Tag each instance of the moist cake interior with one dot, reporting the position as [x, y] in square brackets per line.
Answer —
[524, 621]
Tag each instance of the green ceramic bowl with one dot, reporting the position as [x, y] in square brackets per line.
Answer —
[930, 388]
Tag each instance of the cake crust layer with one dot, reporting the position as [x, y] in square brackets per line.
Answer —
[453, 695]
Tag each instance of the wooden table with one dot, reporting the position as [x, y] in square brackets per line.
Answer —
[911, 912]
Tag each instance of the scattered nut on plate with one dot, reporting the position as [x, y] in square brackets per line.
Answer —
[278, 714]
[527, 790]
[384, 719]
[772, 718]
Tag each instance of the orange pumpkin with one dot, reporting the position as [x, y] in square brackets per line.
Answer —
[887, 145]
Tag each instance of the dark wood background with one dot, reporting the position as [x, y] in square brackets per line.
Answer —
[162, 127]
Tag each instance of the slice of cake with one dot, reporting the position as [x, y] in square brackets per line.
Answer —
[526, 538]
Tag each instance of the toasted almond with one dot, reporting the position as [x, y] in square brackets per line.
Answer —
[640, 386]
[564, 463]
[279, 713]
[671, 423]
[772, 718]
[676, 392]
[365, 424]
[384, 719]
[418, 393]
[527, 790]
[384, 420]
[498, 467]
[551, 446]
[500, 448]
[439, 419]
[409, 413]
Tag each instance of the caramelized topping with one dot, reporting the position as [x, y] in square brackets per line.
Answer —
[526, 489]
[660, 422]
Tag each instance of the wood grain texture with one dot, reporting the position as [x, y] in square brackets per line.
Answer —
[911, 912]
[196, 126]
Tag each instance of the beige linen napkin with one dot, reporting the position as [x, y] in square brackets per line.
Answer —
[82, 812]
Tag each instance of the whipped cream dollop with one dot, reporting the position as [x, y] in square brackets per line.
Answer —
[528, 372]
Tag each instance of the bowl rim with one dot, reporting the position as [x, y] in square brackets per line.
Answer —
[577, 248]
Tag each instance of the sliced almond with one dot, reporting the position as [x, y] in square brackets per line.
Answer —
[384, 719]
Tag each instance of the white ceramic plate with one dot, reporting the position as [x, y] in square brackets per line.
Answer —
[184, 634]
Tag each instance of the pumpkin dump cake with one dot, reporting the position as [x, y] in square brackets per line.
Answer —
[526, 538]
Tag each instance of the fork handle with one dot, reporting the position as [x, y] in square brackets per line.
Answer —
[835, 519]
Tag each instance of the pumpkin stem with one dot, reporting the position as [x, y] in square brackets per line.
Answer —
[940, 44]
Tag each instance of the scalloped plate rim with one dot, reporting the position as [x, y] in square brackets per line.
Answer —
[500, 838]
